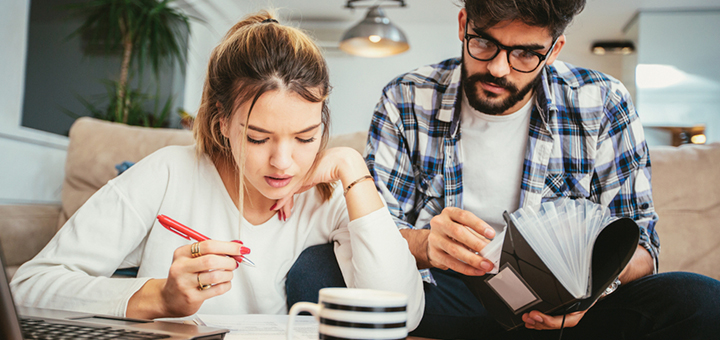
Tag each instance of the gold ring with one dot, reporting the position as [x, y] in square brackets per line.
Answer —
[200, 285]
[195, 250]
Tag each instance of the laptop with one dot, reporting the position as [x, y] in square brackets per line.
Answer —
[38, 323]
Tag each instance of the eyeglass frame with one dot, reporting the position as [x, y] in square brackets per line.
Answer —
[507, 49]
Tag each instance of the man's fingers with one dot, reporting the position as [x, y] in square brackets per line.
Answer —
[540, 321]
[468, 257]
[464, 245]
[447, 253]
[469, 219]
[442, 260]
[470, 238]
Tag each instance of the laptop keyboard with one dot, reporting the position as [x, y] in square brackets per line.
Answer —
[40, 329]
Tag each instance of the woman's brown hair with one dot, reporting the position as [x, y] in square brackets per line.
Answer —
[256, 56]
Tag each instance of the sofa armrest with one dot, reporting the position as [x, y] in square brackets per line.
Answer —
[25, 230]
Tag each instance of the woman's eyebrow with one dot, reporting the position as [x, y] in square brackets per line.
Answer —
[258, 129]
[308, 129]
[261, 130]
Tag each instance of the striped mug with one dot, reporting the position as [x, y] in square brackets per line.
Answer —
[352, 313]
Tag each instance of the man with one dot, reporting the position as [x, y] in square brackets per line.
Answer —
[453, 145]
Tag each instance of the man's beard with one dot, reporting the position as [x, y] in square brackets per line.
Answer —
[471, 86]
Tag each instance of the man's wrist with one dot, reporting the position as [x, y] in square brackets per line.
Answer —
[417, 240]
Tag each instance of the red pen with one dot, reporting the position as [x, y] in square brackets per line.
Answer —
[190, 234]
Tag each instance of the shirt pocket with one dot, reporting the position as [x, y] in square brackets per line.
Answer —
[571, 185]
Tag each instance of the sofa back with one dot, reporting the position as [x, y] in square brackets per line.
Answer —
[96, 146]
[686, 187]
[686, 193]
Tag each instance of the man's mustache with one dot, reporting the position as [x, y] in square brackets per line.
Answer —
[489, 78]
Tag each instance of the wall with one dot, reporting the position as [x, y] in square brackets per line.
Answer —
[678, 77]
[32, 166]
[32, 161]
[358, 82]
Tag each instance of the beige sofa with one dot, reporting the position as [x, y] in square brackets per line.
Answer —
[685, 182]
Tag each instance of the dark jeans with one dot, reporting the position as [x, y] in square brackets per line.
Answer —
[665, 306]
[315, 268]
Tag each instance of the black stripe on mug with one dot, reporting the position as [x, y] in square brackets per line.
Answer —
[330, 337]
[364, 309]
[347, 324]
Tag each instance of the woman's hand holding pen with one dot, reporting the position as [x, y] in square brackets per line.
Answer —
[344, 164]
[181, 294]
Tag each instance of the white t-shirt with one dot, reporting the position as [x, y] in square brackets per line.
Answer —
[492, 150]
[117, 228]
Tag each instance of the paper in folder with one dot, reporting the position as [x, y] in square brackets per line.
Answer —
[557, 259]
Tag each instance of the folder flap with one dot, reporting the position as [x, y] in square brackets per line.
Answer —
[612, 251]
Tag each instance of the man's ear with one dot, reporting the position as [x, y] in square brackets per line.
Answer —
[462, 17]
[558, 46]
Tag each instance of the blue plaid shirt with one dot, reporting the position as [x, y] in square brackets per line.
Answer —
[584, 140]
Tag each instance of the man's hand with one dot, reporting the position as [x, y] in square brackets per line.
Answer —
[540, 321]
[455, 237]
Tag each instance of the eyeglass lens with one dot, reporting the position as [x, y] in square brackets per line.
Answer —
[520, 59]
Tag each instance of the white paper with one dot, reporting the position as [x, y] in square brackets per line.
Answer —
[262, 326]
[493, 250]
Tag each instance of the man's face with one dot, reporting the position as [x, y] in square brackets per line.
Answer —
[493, 86]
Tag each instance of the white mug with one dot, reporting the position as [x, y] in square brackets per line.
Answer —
[352, 313]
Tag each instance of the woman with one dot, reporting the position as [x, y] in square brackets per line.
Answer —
[260, 134]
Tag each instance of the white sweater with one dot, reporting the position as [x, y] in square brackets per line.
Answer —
[117, 228]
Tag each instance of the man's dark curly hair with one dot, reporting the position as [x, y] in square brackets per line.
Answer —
[555, 15]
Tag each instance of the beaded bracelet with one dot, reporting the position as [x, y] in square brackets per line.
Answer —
[356, 182]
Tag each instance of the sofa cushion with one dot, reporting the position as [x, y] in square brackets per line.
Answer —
[686, 192]
[96, 146]
[24, 231]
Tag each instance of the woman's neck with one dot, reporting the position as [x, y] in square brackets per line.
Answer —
[256, 207]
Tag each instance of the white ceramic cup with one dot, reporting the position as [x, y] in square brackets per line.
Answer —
[352, 313]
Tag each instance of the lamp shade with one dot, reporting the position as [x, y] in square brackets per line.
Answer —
[374, 37]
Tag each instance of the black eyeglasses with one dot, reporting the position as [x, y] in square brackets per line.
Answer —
[520, 59]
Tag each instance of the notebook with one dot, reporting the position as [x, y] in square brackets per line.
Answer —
[532, 275]
[37, 323]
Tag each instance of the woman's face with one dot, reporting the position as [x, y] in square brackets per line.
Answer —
[283, 138]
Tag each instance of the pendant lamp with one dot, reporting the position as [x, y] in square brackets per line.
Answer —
[374, 37]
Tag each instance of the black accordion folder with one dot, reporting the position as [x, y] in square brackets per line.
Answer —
[557, 259]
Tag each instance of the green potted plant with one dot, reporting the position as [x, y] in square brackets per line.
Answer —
[146, 32]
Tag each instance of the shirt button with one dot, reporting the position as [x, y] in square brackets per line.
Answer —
[645, 206]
